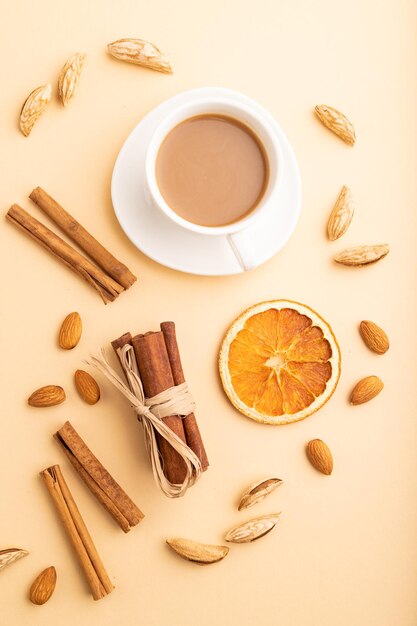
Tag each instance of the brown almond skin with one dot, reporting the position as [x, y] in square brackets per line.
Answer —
[320, 456]
[374, 337]
[87, 387]
[70, 332]
[366, 389]
[43, 586]
[50, 395]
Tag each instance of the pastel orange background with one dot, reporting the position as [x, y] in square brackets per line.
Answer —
[345, 550]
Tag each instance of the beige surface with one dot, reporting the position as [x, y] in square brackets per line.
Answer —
[345, 551]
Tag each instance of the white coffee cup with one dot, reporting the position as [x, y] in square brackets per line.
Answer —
[237, 233]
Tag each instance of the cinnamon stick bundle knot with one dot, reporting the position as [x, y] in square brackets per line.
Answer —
[159, 436]
[158, 363]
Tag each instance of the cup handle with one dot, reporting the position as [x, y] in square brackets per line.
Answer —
[242, 247]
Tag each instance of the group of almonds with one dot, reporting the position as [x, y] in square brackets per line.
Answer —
[44, 584]
[248, 531]
[342, 213]
[374, 337]
[51, 395]
[39, 98]
[137, 51]
[366, 389]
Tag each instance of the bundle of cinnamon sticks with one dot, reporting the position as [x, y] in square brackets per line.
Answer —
[108, 276]
[160, 368]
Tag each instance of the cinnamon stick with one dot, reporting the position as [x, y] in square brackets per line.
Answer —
[155, 372]
[93, 568]
[105, 285]
[192, 432]
[121, 341]
[73, 229]
[101, 484]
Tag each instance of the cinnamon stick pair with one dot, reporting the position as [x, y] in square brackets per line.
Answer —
[101, 484]
[106, 275]
[160, 368]
[93, 568]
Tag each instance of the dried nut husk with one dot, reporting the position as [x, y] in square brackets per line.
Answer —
[33, 107]
[338, 123]
[140, 52]
[43, 586]
[253, 529]
[320, 456]
[362, 255]
[366, 389]
[257, 492]
[70, 331]
[200, 553]
[11, 555]
[87, 387]
[50, 395]
[69, 77]
[374, 337]
[341, 216]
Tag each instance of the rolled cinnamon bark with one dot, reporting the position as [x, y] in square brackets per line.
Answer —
[90, 561]
[155, 372]
[120, 342]
[104, 284]
[73, 229]
[192, 432]
[101, 484]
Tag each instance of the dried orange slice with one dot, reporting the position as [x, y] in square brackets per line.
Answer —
[279, 362]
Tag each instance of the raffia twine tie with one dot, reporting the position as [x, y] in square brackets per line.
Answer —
[176, 400]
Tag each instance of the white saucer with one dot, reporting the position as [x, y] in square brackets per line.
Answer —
[169, 244]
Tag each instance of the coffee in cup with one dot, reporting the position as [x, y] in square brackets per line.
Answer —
[212, 170]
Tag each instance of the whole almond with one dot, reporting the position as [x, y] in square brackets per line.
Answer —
[10, 555]
[374, 337]
[341, 216]
[253, 529]
[33, 107]
[366, 389]
[140, 52]
[320, 456]
[258, 491]
[87, 387]
[69, 77]
[70, 332]
[338, 123]
[43, 586]
[200, 553]
[362, 255]
[50, 395]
